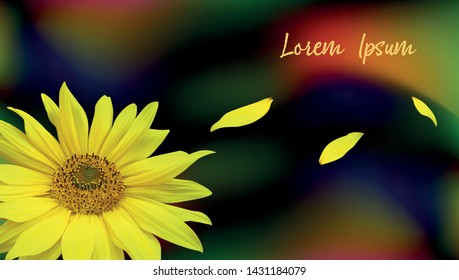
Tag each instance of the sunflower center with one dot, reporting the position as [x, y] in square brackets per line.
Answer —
[87, 177]
[87, 184]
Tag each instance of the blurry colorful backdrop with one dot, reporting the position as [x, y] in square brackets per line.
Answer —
[394, 196]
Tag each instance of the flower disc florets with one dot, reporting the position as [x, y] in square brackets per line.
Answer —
[87, 184]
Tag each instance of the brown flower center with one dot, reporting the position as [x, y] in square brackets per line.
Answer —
[87, 184]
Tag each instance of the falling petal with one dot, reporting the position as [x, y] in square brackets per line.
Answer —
[244, 115]
[424, 110]
[339, 147]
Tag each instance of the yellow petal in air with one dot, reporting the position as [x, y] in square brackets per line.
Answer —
[78, 240]
[339, 147]
[424, 110]
[244, 115]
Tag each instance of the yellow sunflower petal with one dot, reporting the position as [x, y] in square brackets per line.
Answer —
[104, 249]
[244, 115]
[9, 231]
[74, 122]
[139, 126]
[41, 138]
[101, 240]
[101, 124]
[9, 192]
[176, 190]
[120, 127]
[115, 252]
[16, 156]
[154, 243]
[187, 215]
[51, 109]
[339, 147]
[163, 161]
[159, 169]
[77, 240]
[17, 175]
[13, 134]
[145, 145]
[15, 141]
[424, 110]
[126, 235]
[5, 247]
[181, 213]
[54, 116]
[51, 254]
[26, 209]
[155, 219]
[48, 231]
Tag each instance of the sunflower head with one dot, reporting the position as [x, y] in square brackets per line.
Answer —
[95, 192]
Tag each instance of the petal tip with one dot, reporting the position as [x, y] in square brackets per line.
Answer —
[198, 247]
[64, 86]
[64, 91]
[152, 105]
[244, 115]
[204, 153]
[45, 98]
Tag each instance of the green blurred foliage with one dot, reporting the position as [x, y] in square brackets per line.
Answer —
[241, 165]
[206, 96]
[9, 46]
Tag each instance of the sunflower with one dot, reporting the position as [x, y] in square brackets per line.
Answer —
[94, 193]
